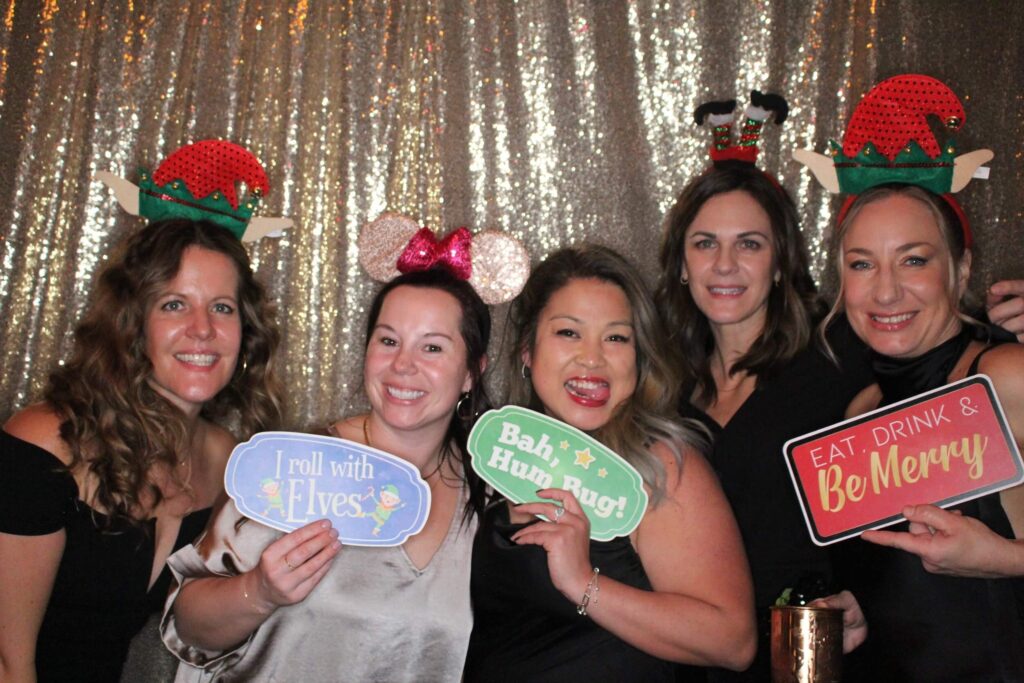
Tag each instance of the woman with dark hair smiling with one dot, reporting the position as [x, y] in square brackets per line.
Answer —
[741, 309]
[255, 604]
[549, 603]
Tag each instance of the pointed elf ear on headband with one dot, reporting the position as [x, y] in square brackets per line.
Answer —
[720, 116]
[495, 264]
[198, 182]
[888, 140]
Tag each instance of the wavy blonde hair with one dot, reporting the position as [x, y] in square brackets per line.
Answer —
[116, 425]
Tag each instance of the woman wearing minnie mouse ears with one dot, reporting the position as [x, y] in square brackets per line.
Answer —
[256, 604]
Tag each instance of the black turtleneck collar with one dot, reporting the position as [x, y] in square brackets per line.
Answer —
[901, 378]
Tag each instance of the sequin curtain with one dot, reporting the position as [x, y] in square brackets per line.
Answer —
[555, 121]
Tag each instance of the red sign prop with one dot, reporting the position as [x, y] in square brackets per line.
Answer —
[944, 447]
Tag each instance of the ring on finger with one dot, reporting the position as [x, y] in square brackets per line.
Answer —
[559, 511]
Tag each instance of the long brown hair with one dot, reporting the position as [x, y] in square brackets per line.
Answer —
[792, 303]
[114, 422]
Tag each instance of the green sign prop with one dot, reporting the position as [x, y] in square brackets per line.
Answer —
[519, 451]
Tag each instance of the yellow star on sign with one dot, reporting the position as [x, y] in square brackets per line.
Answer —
[564, 445]
[602, 473]
[584, 458]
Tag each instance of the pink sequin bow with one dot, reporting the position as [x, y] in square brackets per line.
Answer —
[425, 251]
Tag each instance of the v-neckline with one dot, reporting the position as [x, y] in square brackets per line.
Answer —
[452, 525]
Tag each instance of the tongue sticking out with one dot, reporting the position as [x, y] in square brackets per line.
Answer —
[589, 390]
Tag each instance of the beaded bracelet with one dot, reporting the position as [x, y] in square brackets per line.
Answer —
[589, 595]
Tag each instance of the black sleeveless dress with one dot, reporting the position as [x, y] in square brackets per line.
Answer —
[922, 626]
[101, 595]
[524, 629]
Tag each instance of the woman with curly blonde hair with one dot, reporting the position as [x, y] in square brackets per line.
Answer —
[121, 462]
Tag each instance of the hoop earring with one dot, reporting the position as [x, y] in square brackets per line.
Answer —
[777, 278]
[683, 280]
[463, 402]
[525, 371]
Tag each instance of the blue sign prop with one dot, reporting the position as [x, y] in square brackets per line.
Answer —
[287, 480]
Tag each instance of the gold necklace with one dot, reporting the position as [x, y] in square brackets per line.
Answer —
[366, 431]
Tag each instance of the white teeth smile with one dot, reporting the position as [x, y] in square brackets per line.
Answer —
[405, 394]
[585, 385]
[204, 359]
[728, 291]
[892, 319]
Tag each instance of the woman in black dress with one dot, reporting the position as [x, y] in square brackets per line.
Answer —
[120, 463]
[587, 351]
[741, 306]
[904, 263]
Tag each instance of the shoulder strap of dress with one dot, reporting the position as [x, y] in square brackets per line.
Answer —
[973, 370]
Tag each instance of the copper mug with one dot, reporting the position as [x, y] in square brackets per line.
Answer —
[807, 644]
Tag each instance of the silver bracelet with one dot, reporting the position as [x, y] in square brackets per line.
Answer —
[589, 595]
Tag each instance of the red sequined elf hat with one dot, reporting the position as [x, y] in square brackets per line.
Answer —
[198, 181]
[888, 140]
[494, 263]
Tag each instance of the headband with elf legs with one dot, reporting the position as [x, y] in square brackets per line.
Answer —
[198, 181]
[888, 140]
[721, 114]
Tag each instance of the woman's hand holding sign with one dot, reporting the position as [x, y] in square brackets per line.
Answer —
[222, 612]
[293, 565]
[949, 543]
[566, 539]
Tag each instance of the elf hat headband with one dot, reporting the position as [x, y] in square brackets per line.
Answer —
[888, 140]
[495, 264]
[720, 115]
[198, 181]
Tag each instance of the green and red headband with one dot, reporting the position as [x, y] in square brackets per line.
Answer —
[199, 182]
[888, 140]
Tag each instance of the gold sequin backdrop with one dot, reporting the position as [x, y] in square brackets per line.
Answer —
[556, 121]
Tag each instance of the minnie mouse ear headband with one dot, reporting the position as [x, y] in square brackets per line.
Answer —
[721, 115]
[198, 181]
[495, 264]
[888, 140]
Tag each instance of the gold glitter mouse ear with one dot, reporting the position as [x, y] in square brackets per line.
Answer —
[495, 264]
[198, 181]
[501, 266]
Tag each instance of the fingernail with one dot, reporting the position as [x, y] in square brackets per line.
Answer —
[334, 533]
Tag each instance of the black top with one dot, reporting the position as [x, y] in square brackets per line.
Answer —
[808, 393]
[100, 596]
[524, 629]
[926, 627]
